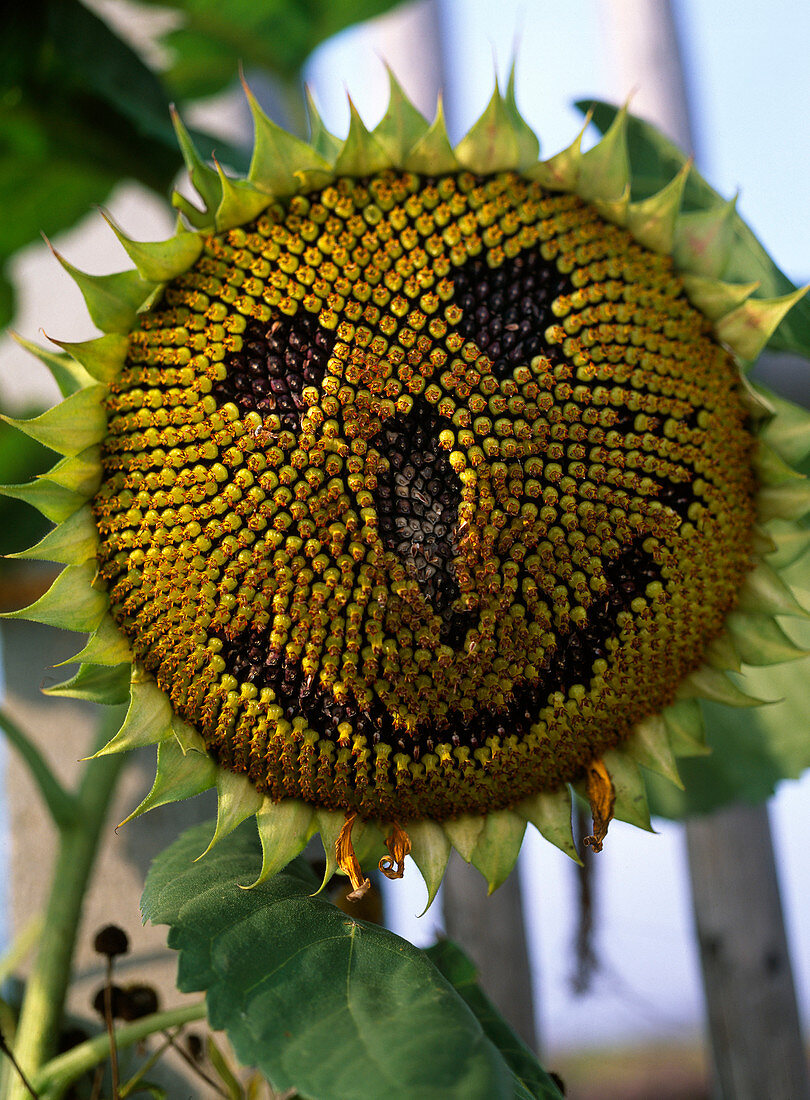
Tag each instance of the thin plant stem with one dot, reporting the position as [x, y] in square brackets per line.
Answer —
[108, 1019]
[47, 984]
[156, 1055]
[197, 1069]
[4, 1049]
[58, 1074]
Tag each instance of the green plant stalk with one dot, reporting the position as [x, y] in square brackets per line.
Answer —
[54, 1077]
[47, 984]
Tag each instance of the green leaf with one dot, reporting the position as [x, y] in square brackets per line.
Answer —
[276, 36]
[451, 961]
[62, 806]
[317, 1000]
[654, 160]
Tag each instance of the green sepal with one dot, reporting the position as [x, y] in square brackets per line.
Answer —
[282, 164]
[650, 747]
[283, 832]
[788, 432]
[761, 640]
[714, 298]
[496, 142]
[237, 799]
[205, 180]
[550, 813]
[325, 144]
[148, 720]
[402, 125]
[788, 543]
[433, 154]
[69, 375]
[527, 142]
[71, 426]
[81, 473]
[71, 602]
[771, 468]
[561, 172]
[748, 328]
[241, 202]
[614, 210]
[54, 502]
[112, 300]
[604, 171]
[186, 736]
[498, 846]
[361, 154]
[70, 543]
[430, 849]
[105, 646]
[686, 728]
[764, 590]
[329, 823]
[199, 219]
[652, 221]
[721, 653]
[463, 833]
[790, 500]
[160, 261]
[704, 238]
[709, 683]
[102, 358]
[368, 839]
[629, 788]
[95, 684]
[178, 776]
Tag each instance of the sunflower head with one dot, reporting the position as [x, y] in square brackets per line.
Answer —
[413, 486]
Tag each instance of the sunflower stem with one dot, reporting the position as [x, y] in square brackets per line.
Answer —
[47, 984]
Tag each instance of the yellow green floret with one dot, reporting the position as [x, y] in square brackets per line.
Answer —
[420, 493]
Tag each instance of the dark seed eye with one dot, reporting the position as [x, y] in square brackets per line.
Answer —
[278, 359]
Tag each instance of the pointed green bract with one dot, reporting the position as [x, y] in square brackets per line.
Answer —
[329, 825]
[649, 746]
[686, 728]
[71, 543]
[789, 430]
[714, 298]
[105, 646]
[604, 171]
[764, 590]
[629, 788]
[179, 776]
[69, 375]
[53, 501]
[561, 172]
[322, 140]
[430, 849]
[790, 500]
[495, 143]
[761, 640]
[70, 602]
[789, 543]
[241, 202]
[237, 799]
[498, 846]
[551, 816]
[527, 144]
[703, 240]
[652, 221]
[282, 164]
[361, 154]
[771, 468]
[148, 720]
[721, 653]
[283, 831]
[433, 153]
[80, 473]
[463, 833]
[748, 328]
[160, 261]
[709, 683]
[102, 358]
[402, 125]
[205, 180]
[113, 300]
[95, 684]
[73, 425]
